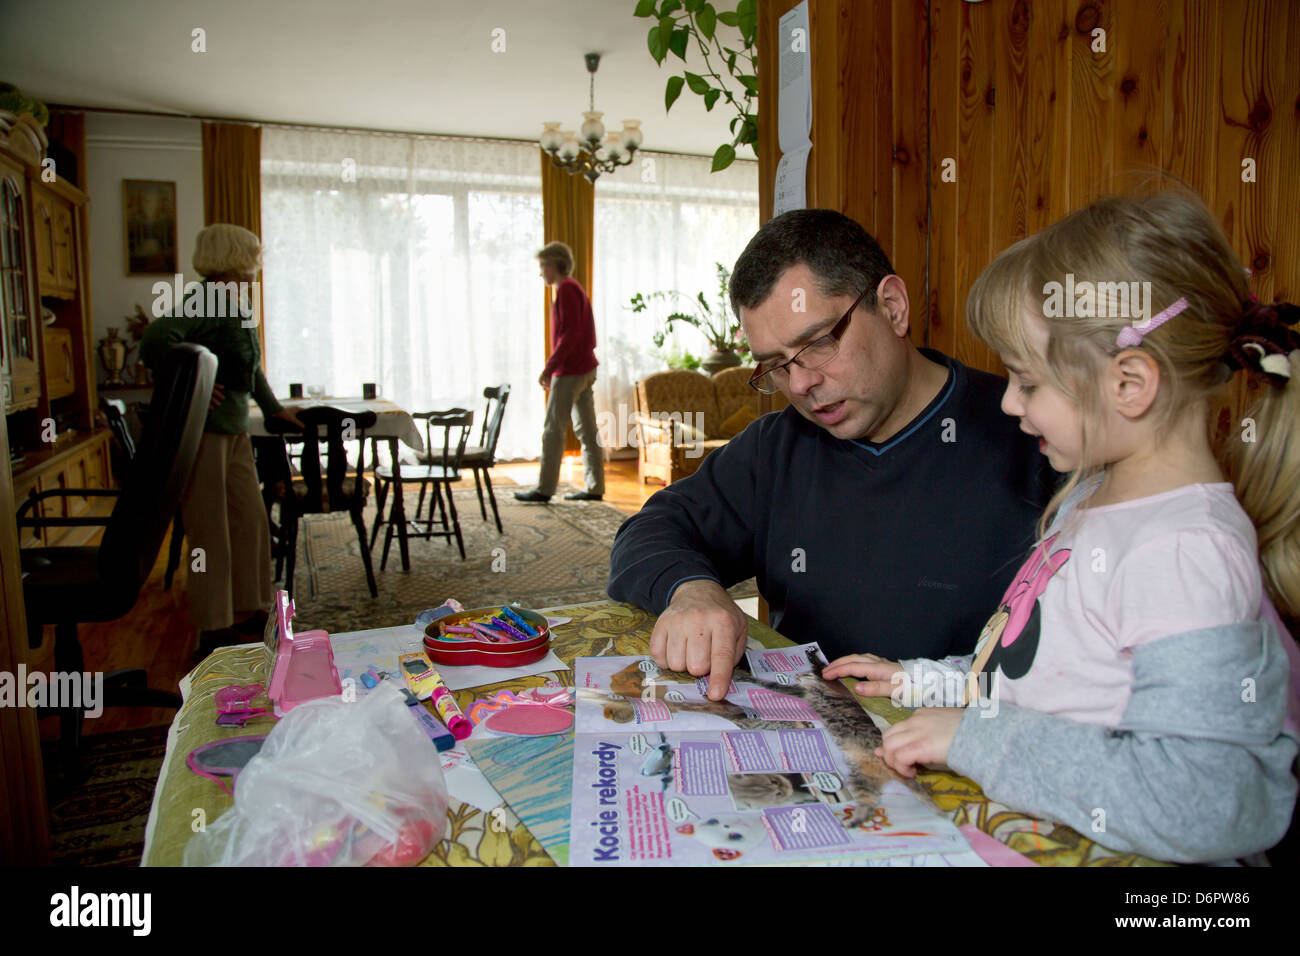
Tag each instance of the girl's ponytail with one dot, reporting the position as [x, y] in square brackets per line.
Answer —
[1263, 459]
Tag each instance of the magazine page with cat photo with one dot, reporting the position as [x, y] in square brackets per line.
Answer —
[782, 770]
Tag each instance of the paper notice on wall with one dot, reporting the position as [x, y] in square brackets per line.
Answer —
[790, 190]
[794, 103]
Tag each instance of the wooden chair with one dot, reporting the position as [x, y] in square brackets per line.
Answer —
[455, 424]
[314, 493]
[481, 457]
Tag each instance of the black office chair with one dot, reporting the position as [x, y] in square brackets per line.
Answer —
[481, 457]
[64, 587]
[312, 493]
[123, 454]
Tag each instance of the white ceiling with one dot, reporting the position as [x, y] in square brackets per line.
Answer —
[409, 65]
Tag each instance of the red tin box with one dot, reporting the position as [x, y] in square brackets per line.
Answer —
[485, 653]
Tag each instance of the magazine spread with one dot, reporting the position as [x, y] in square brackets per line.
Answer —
[664, 776]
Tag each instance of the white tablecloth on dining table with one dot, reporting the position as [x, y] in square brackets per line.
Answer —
[392, 420]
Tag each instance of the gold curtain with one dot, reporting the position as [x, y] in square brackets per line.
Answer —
[568, 216]
[232, 183]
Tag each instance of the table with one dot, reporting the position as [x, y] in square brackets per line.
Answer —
[393, 424]
[598, 629]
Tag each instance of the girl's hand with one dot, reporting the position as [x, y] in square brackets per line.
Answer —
[544, 380]
[923, 738]
[876, 674]
[290, 414]
[218, 396]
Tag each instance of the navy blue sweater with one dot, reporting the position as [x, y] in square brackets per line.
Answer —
[902, 548]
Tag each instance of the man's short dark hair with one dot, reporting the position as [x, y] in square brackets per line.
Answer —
[842, 256]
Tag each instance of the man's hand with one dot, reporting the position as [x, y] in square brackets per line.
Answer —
[290, 414]
[924, 738]
[876, 675]
[544, 380]
[702, 631]
[218, 395]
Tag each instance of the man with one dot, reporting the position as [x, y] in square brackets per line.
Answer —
[570, 374]
[885, 511]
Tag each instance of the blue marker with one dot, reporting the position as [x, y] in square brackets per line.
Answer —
[519, 620]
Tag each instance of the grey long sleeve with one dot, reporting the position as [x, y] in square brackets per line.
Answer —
[1198, 769]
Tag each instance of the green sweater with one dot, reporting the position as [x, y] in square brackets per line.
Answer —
[239, 368]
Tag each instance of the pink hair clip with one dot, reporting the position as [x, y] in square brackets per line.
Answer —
[1131, 335]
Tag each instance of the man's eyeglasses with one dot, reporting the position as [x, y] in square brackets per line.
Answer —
[770, 376]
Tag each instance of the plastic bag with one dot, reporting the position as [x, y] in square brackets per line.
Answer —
[337, 783]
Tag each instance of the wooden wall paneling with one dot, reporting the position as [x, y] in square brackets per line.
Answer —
[1047, 140]
[1140, 35]
[1286, 132]
[909, 159]
[769, 152]
[975, 245]
[1091, 104]
[826, 164]
[950, 57]
[869, 132]
[1190, 127]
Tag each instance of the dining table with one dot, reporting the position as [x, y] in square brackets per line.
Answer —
[394, 426]
[496, 835]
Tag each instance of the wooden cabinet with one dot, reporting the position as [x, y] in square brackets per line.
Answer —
[81, 461]
[19, 306]
[60, 364]
[56, 249]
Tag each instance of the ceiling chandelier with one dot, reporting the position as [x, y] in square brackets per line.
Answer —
[591, 151]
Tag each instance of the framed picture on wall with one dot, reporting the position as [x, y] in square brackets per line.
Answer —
[149, 220]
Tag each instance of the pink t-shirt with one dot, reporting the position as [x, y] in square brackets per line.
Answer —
[1124, 575]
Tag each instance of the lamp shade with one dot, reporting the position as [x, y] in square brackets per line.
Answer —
[593, 130]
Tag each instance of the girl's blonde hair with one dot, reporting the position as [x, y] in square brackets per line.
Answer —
[1170, 240]
[225, 249]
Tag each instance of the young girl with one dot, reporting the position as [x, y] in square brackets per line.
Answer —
[1134, 684]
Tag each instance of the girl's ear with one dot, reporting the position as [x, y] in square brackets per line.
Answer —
[1133, 380]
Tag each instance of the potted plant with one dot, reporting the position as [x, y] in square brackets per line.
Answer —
[720, 327]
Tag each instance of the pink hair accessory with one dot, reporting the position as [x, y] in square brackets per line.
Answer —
[1131, 335]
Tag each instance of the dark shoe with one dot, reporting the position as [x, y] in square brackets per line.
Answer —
[532, 496]
[583, 496]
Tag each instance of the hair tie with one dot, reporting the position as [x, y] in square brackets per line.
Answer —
[1131, 336]
[1264, 340]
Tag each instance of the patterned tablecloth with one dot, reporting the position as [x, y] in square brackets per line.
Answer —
[393, 420]
[602, 629]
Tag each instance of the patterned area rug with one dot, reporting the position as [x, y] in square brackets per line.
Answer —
[101, 821]
[549, 555]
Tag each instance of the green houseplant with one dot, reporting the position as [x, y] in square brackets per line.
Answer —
[721, 329]
[678, 25]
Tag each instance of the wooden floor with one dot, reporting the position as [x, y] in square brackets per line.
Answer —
[156, 634]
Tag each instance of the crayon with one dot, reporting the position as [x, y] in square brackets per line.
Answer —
[488, 633]
[518, 621]
[509, 628]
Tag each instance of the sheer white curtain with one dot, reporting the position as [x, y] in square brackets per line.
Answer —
[407, 261]
[662, 223]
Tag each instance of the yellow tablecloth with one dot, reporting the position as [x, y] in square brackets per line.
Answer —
[603, 629]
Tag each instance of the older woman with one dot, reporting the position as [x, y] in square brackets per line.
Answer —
[225, 520]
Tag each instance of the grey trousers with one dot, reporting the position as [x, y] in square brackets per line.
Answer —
[571, 395]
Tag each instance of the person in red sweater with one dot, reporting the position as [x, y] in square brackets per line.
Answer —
[570, 374]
